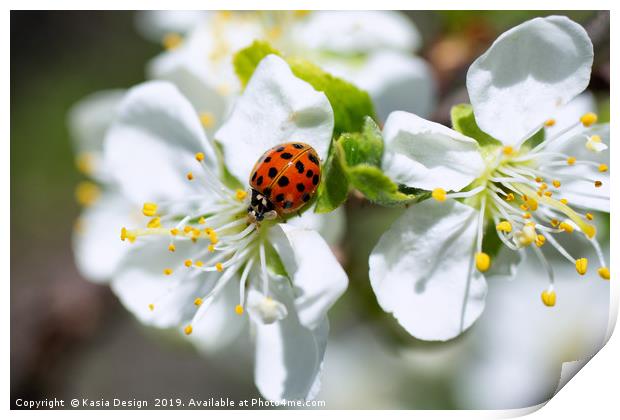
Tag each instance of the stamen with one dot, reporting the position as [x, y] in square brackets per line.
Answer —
[190, 176]
[200, 156]
[154, 223]
[483, 261]
[172, 248]
[149, 209]
[207, 119]
[602, 167]
[198, 301]
[504, 226]
[548, 297]
[550, 122]
[188, 330]
[151, 307]
[581, 265]
[588, 119]
[603, 272]
[167, 271]
[571, 160]
[171, 41]
[439, 194]
[86, 193]
[240, 194]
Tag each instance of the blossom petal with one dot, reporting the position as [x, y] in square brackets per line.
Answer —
[331, 226]
[275, 108]
[155, 24]
[527, 74]
[152, 144]
[88, 122]
[423, 154]
[140, 282]
[348, 32]
[96, 243]
[570, 114]
[263, 309]
[317, 277]
[422, 270]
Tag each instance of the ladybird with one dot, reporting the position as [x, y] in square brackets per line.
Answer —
[283, 180]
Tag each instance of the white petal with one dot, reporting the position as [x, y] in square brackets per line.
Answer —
[394, 80]
[570, 114]
[423, 154]
[275, 108]
[140, 281]
[289, 359]
[96, 241]
[152, 144]
[527, 74]
[263, 309]
[331, 226]
[88, 122]
[317, 277]
[155, 24]
[349, 32]
[420, 270]
[220, 326]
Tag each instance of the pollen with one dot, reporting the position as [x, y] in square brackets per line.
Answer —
[504, 226]
[187, 263]
[589, 216]
[598, 184]
[126, 234]
[540, 240]
[174, 231]
[171, 41]
[555, 222]
[84, 162]
[207, 119]
[200, 156]
[571, 160]
[439, 194]
[154, 223]
[588, 119]
[538, 179]
[240, 194]
[564, 201]
[239, 310]
[547, 193]
[198, 301]
[219, 267]
[172, 248]
[550, 122]
[211, 248]
[213, 237]
[483, 261]
[187, 229]
[151, 307]
[548, 297]
[86, 193]
[188, 330]
[190, 176]
[149, 209]
[198, 263]
[603, 272]
[556, 183]
[167, 271]
[532, 204]
[602, 167]
[581, 265]
[201, 220]
[508, 150]
[567, 227]
[510, 197]
[527, 215]
[527, 235]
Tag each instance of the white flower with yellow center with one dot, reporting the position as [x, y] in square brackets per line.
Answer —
[371, 49]
[199, 263]
[428, 268]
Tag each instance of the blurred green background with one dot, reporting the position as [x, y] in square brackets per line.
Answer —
[72, 338]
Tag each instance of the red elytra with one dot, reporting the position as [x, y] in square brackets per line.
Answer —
[283, 180]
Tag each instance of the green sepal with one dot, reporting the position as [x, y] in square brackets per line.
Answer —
[464, 121]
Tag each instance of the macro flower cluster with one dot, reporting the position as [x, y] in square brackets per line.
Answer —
[166, 210]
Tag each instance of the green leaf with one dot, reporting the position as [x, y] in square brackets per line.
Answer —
[376, 186]
[349, 103]
[334, 187]
[365, 147]
[464, 121]
[535, 140]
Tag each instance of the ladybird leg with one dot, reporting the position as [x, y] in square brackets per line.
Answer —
[270, 215]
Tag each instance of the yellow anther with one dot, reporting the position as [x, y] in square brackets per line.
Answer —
[543, 186]
[532, 204]
[527, 235]
[556, 183]
[504, 226]
[85, 163]
[154, 223]
[604, 273]
[555, 222]
[439, 194]
[571, 160]
[126, 234]
[172, 248]
[538, 179]
[149, 209]
[187, 229]
[602, 167]
[187, 263]
[196, 233]
[198, 263]
[567, 227]
[588, 119]
[581, 265]
[151, 307]
[213, 237]
[598, 184]
[523, 207]
[239, 310]
[540, 240]
[564, 201]
[167, 271]
[508, 150]
[86, 193]
[547, 193]
[174, 231]
[548, 297]
[189, 176]
[198, 301]
[510, 197]
[483, 261]
[550, 122]
[188, 330]
[211, 248]
[539, 193]
[200, 156]
[527, 215]
[207, 119]
[589, 216]
[201, 220]
[240, 194]
[171, 41]
[208, 231]
[219, 267]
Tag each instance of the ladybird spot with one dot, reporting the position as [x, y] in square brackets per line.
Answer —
[309, 174]
[305, 197]
[280, 197]
[283, 181]
[300, 187]
[286, 155]
[280, 149]
[298, 146]
[300, 166]
[254, 176]
[259, 181]
[315, 180]
[313, 159]
[267, 159]
[288, 204]
[272, 172]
